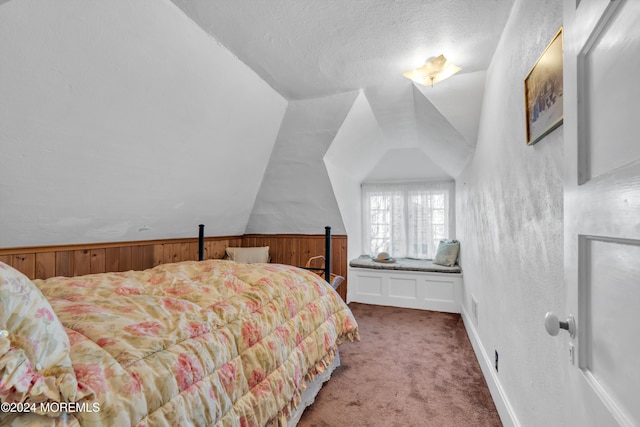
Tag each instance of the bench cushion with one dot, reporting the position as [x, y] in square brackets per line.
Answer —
[406, 264]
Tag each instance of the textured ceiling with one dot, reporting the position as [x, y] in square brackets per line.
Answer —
[310, 49]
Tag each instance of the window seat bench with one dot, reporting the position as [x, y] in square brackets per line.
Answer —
[408, 283]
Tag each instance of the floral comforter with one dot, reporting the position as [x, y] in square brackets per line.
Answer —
[195, 343]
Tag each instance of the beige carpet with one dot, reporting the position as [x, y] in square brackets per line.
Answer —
[411, 368]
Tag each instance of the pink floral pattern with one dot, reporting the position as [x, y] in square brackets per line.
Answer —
[123, 290]
[151, 329]
[35, 363]
[44, 313]
[92, 376]
[133, 386]
[228, 377]
[250, 333]
[173, 304]
[195, 330]
[188, 371]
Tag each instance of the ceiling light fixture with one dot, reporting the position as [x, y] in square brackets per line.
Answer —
[433, 71]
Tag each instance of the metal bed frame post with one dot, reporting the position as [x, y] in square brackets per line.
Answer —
[201, 242]
[327, 254]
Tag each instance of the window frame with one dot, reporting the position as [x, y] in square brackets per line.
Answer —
[401, 232]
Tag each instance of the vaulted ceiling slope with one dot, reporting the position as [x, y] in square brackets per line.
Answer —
[123, 121]
[129, 120]
[314, 49]
[296, 194]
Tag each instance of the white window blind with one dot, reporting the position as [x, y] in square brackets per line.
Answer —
[407, 219]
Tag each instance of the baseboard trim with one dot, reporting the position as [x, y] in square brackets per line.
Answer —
[507, 415]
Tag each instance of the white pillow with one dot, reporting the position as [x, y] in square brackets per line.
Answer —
[249, 255]
[35, 365]
[447, 252]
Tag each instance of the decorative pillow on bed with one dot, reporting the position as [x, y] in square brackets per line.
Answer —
[447, 252]
[34, 348]
[249, 255]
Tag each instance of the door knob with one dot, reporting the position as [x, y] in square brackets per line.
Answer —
[553, 325]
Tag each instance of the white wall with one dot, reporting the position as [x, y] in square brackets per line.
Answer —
[356, 148]
[459, 100]
[119, 115]
[509, 221]
[453, 152]
[406, 164]
[296, 195]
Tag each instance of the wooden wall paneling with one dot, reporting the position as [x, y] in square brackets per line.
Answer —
[275, 244]
[317, 247]
[274, 251]
[339, 263]
[162, 253]
[216, 249]
[158, 254]
[74, 260]
[124, 262]
[185, 253]
[208, 250]
[81, 262]
[192, 251]
[305, 251]
[171, 253]
[177, 252]
[290, 251]
[64, 263]
[274, 248]
[112, 259]
[98, 260]
[339, 254]
[152, 255]
[282, 245]
[137, 257]
[45, 265]
[26, 263]
[278, 245]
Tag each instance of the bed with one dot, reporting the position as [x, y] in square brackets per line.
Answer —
[211, 342]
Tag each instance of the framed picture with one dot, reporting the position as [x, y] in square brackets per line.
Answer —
[543, 92]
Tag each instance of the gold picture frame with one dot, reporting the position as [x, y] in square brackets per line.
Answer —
[543, 90]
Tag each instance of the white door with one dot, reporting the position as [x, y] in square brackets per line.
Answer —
[602, 210]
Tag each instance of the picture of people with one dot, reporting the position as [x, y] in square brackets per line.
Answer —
[543, 92]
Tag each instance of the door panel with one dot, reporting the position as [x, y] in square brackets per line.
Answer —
[608, 357]
[606, 67]
[602, 210]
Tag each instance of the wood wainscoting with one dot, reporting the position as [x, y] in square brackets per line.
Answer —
[43, 262]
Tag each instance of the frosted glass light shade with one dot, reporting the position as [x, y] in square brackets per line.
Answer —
[432, 71]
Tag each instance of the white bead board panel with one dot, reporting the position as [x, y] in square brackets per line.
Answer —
[408, 289]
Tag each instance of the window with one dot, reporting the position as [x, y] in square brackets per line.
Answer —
[407, 219]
